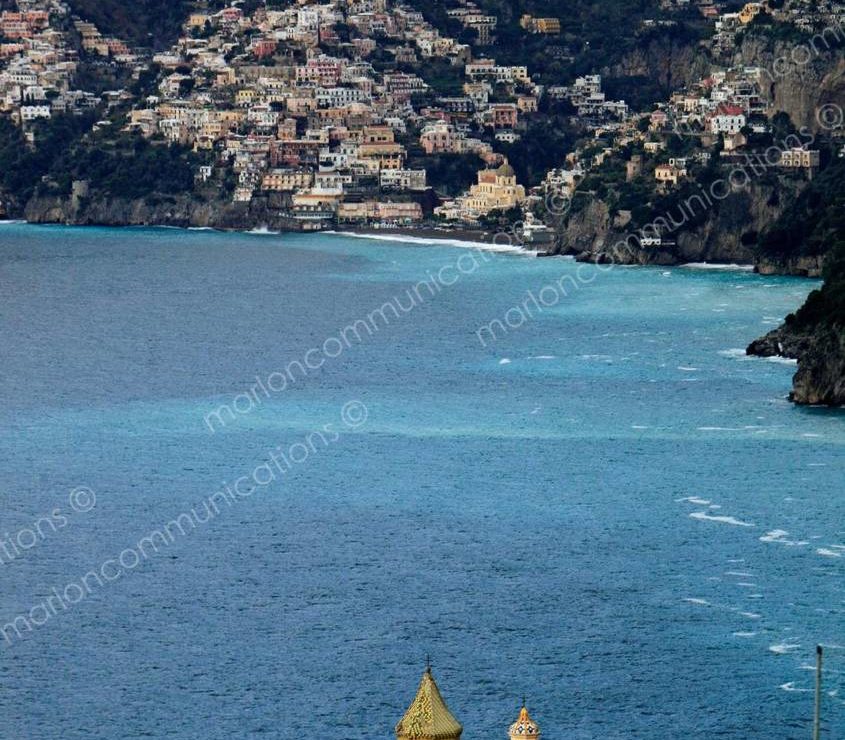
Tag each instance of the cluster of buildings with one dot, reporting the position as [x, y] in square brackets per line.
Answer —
[428, 718]
[321, 121]
[38, 64]
[325, 110]
[592, 105]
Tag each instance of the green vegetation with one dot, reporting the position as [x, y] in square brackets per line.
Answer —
[129, 166]
[154, 23]
[543, 146]
[815, 223]
[22, 167]
[825, 307]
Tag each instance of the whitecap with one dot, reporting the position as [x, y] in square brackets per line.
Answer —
[790, 686]
[704, 516]
[739, 574]
[437, 241]
[717, 266]
[779, 536]
[750, 615]
[702, 602]
[783, 648]
[736, 352]
[505, 361]
[688, 369]
[543, 357]
[782, 360]
[744, 634]
[694, 500]
[828, 553]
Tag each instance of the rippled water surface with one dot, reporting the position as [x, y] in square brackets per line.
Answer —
[607, 507]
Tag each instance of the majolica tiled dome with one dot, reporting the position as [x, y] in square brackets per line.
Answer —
[428, 717]
[524, 727]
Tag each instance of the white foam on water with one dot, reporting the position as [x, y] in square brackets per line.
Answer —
[755, 596]
[750, 615]
[704, 516]
[828, 553]
[746, 584]
[782, 360]
[688, 369]
[736, 352]
[739, 574]
[718, 429]
[263, 231]
[543, 357]
[744, 634]
[433, 240]
[12, 222]
[717, 266]
[736, 560]
[790, 686]
[694, 500]
[505, 361]
[701, 602]
[779, 536]
[783, 648]
[638, 426]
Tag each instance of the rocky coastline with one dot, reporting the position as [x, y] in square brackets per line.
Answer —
[590, 236]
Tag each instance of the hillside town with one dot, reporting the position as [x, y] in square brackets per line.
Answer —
[328, 110]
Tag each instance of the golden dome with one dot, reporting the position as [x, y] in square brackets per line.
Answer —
[428, 717]
[524, 726]
[505, 170]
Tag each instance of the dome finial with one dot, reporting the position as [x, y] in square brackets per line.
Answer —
[524, 727]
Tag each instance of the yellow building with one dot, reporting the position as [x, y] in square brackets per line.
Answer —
[751, 11]
[496, 189]
[428, 717]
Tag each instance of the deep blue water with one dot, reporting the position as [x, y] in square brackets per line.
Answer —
[521, 511]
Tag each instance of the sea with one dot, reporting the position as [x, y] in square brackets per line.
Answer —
[249, 482]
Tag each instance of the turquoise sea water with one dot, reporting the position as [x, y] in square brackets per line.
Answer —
[607, 508]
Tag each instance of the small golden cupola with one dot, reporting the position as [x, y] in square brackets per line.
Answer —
[428, 717]
[524, 727]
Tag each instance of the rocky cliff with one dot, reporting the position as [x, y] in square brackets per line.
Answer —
[182, 211]
[820, 352]
[725, 231]
[797, 79]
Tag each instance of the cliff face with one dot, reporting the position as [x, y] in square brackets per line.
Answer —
[796, 79]
[725, 232]
[181, 211]
[670, 62]
[820, 352]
